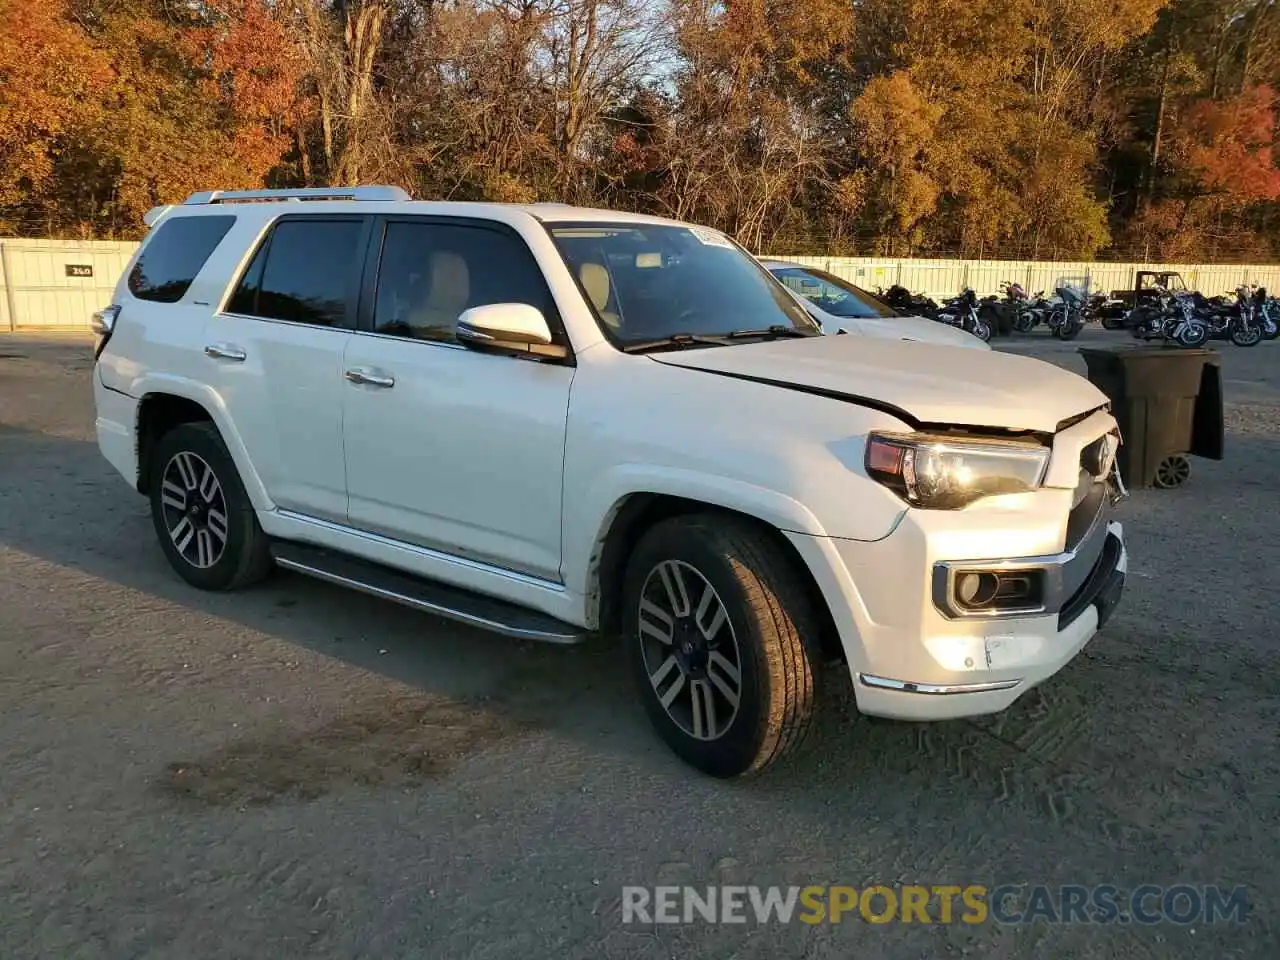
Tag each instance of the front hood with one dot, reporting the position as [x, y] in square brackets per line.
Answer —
[922, 383]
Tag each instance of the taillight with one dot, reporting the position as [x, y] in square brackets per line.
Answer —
[103, 324]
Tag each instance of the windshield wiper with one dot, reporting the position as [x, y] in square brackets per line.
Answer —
[676, 341]
[771, 333]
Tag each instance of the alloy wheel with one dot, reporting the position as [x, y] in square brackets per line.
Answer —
[690, 651]
[195, 509]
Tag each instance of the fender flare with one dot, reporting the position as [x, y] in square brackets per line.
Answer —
[166, 385]
[605, 498]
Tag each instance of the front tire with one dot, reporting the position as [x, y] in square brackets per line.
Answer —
[1246, 335]
[716, 618]
[1193, 335]
[204, 520]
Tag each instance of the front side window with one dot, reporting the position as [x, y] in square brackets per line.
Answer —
[305, 272]
[430, 272]
[648, 282]
[830, 293]
[174, 256]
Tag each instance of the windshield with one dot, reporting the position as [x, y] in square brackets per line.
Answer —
[648, 282]
[830, 293]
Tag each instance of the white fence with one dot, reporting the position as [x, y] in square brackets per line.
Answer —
[57, 284]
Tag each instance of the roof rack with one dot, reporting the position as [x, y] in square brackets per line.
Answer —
[382, 193]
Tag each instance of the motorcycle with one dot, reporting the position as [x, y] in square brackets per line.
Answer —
[900, 298]
[1171, 317]
[963, 312]
[1034, 313]
[1268, 313]
[1066, 316]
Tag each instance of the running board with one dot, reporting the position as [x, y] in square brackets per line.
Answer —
[452, 603]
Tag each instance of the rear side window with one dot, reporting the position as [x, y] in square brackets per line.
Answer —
[305, 272]
[174, 255]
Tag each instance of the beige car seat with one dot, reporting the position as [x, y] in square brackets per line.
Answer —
[595, 280]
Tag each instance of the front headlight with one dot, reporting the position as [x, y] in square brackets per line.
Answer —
[941, 472]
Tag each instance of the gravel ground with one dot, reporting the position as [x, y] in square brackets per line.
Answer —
[299, 771]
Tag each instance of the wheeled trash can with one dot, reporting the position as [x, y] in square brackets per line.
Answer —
[1168, 403]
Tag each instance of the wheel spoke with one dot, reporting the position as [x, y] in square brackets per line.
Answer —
[673, 691]
[204, 548]
[725, 677]
[673, 581]
[218, 525]
[182, 534]
[186, 470]
[668, 667]
[208, 484]
[710, 615]
[654, 622]
[704, 710]
[172, 495]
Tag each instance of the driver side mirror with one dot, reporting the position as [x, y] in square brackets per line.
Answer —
[512, 328]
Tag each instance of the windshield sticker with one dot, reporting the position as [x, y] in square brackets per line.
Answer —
[710, 237]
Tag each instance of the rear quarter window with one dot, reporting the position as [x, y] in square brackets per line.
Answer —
[174, 256]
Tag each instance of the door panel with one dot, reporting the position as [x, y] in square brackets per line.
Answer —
[464, 454]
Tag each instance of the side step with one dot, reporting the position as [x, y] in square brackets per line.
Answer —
[452, 603]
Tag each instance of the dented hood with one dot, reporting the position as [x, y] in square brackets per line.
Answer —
[925, 383]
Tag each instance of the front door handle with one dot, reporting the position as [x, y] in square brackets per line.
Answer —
[225, 351]
[371, 378]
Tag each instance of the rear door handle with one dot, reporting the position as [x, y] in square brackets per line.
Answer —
[371, 378]
[225, 351]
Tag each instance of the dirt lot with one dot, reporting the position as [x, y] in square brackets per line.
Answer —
[299, 771]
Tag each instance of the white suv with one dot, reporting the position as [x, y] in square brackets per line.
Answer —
[553, 422]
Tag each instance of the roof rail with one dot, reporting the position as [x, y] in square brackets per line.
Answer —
[308, 193]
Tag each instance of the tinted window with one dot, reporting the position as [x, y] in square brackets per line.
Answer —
[174, 255]
[831, 294]
[245, 299]
[307, 275]
[431, 272]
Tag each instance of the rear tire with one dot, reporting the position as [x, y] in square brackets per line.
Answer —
[206, 525]
[716, 619]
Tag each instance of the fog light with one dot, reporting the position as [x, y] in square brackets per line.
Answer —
[976, 589]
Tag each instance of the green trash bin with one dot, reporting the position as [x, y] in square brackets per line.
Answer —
[1168, 403]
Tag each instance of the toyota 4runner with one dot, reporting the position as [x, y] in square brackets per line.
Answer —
[552, 422]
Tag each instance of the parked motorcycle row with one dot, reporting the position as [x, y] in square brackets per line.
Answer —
[1013, 310]
[1187, 318]
[1155, 312]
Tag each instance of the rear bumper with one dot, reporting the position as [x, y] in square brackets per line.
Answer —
[116, 426]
